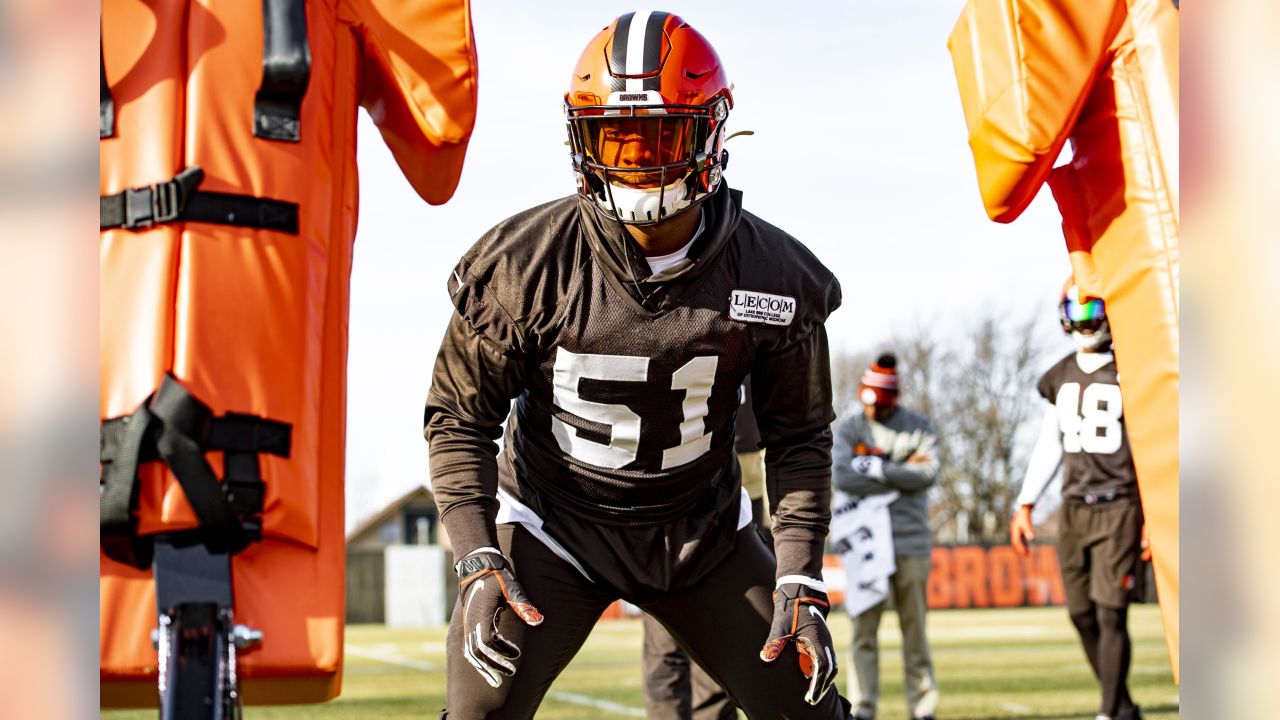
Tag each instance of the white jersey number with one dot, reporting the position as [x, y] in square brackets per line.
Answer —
[694, 377]
[1092, 423]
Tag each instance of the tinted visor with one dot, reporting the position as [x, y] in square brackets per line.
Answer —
[1087, 316]
[642, 151]
[1077, 311]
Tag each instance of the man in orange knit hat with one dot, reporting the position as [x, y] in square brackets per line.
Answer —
[881, 448]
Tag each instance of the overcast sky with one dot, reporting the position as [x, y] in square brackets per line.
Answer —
[860, 152]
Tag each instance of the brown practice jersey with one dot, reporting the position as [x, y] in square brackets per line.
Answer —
[625, 385]
[1095, 445]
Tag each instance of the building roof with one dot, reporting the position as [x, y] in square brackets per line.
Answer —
[390, 510]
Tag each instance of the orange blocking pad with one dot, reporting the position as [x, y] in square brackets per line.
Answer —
[300, 659]
[254, 320]
[1104, 74]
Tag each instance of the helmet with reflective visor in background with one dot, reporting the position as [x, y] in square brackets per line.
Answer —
[646, 109]
[1084, 320]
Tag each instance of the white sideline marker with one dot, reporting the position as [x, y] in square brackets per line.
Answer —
[423, 665]
[1016, 708]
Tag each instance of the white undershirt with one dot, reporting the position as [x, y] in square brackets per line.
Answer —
[511, 510]
[1091, 362]
[662, 263]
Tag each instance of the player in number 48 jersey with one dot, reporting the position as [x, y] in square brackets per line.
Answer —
[621, 321]
[1100, 543]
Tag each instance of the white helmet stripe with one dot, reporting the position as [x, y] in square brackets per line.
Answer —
[635, 49]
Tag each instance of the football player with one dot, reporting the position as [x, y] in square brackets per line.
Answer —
[1100, 542]
[621, 321]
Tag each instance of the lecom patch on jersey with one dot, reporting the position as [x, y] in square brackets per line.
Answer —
[759, 307]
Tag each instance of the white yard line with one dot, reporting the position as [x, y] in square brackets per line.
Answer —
[393, 659]
[390, 658]
[1016, 708]
[606, 705]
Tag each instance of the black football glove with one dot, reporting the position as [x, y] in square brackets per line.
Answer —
[487, 585]
[800, 614]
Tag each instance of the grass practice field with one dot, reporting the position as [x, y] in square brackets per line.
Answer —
[1020, 663]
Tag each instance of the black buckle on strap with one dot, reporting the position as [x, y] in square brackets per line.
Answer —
[160, 203]
[174, 427]
[137, 208]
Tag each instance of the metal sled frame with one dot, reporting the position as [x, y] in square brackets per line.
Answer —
[197, 638]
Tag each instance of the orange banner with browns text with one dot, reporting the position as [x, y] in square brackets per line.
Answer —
[973, 576]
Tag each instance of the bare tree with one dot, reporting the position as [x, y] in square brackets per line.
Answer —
[846, 371]
[978, 390]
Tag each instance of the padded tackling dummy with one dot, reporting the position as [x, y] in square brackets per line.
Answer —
[253, 320]
[1104, 75]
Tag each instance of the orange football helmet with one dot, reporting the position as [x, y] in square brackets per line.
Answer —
[646, 109]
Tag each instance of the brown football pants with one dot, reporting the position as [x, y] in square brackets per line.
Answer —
[675, 687]
[723, 621]
[1100, 550]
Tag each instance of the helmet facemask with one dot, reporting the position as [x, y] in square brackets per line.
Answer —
[644, 163]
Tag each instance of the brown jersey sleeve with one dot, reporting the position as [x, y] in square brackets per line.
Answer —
[471, 390]
[481, 366]
[791, 386]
